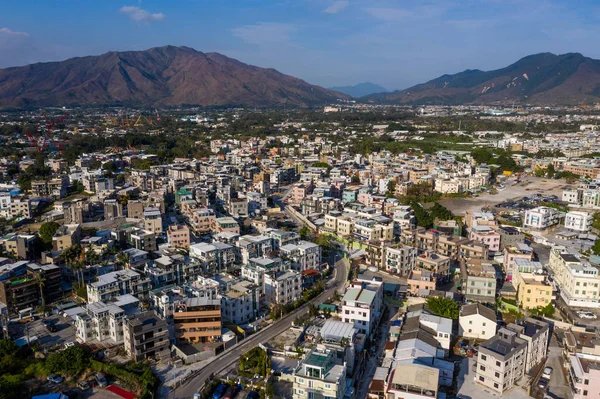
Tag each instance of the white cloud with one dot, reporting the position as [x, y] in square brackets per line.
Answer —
[9, 32]
[140, 15]
[264, 33]
[336, 7]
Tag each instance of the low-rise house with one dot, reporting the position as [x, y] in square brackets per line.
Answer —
[477, 321]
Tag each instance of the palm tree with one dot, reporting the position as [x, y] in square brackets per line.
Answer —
[40, 282]
[122, 259]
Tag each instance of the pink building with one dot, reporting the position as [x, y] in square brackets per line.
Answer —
[584, 375]
[364, 198]
[420, 280]
[299, 191]
[486, 235]
[179, 236]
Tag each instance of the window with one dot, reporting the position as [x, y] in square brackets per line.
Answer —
[481, 378]
[496, 385]
[586, 382]
[497, 363]
[584, 393]
[497, 374]
[482, 368]
[484, 323]
[470, 321]
[483, 357]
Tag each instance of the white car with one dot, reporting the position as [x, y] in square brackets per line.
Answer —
[587, 315]
[547, 372]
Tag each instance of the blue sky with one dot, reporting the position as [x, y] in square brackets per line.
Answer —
[327, 42]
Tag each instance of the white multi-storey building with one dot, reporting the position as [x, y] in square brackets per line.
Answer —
[103, 322]
[361, 304]
[578, 221]
[304, 255]
[214, 257]
[400, 260]
[111, 285]
[283, 287]
[541, 218]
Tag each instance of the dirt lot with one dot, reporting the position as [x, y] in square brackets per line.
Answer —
[529, 185]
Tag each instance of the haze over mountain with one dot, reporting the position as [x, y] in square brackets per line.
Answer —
[544, 79]
[166, 76]
[360, 89]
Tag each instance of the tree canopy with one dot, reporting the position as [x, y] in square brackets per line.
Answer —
[47, 231]
[443, 307]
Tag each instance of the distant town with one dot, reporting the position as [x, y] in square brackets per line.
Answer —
[349, 251]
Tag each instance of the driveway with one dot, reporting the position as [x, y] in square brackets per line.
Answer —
[559, 386]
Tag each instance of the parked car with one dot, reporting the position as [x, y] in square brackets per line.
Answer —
[101, 380]
[69, 344]
[83, 385]
[547, 373]
[252, 395]
[586, 315]
[219, 391]
[56, 379]
[51, 327]
[231, 392]
[543, 383]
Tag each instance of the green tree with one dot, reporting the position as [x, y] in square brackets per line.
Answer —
[443, 307]
[391, 189]
[47, 231]
[110, 166]
[596, 248]
[305, 233]
[539, 172]
[440, 212]
[550, 170]
[71, 361]
[321, 165]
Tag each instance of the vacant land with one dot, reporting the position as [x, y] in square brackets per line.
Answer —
[528, 186]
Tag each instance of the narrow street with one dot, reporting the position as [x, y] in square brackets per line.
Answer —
[368, 368]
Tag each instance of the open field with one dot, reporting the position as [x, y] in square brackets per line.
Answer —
[529, 185]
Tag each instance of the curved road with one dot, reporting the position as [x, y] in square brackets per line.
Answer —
[233, 354]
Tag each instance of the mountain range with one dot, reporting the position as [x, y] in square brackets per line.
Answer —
[174, 76]
[543, 79]
[360, 89]
[165, 76]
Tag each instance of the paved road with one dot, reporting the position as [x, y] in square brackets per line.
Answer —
[559, 386]
[232, 355]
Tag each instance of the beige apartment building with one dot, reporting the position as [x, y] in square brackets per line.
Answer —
[501, 361]
[317, 376]
[578, 280]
